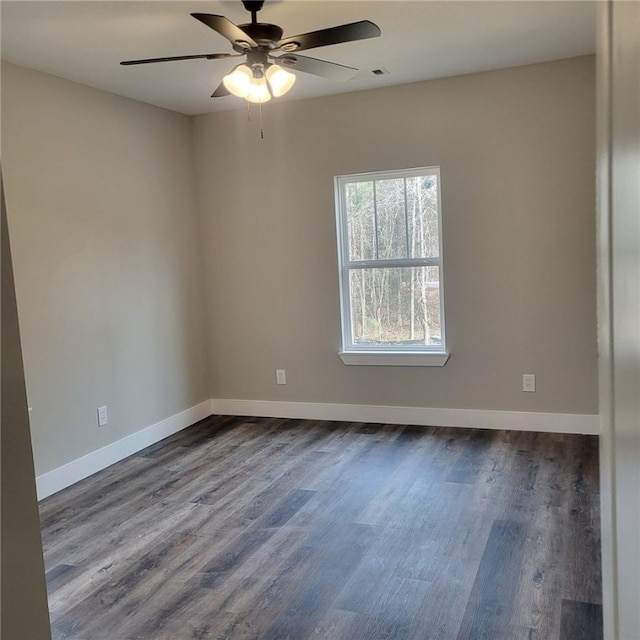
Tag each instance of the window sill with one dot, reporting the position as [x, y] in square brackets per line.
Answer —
[394, 359]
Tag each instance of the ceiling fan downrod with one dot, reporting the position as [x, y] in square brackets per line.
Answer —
[253, 6]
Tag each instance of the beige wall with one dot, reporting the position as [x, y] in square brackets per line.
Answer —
[100, 197]
[517, 152]
[110, 278]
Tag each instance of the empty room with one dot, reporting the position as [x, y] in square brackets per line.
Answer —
[336, 344]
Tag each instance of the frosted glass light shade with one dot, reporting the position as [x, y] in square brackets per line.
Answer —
[279, 80]
[258, 90]
[238, 81]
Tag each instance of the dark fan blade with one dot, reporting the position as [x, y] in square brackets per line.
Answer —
[334, 35]
[221, 91]
[322, 68]
[235, 35]
[208, 56]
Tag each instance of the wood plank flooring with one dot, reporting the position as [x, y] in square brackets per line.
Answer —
[250, 528]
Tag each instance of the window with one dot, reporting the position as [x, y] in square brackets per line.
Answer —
[390, 260]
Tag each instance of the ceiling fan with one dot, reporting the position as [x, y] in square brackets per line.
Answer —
[265, 74]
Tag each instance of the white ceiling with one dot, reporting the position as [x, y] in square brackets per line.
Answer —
[84, 40]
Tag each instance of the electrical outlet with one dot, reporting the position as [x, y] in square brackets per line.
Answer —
[529, 382]
[281, 376]
[103, 418]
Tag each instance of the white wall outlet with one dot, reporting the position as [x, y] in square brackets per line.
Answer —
[529, 382]
[103, 418]
[281, 376]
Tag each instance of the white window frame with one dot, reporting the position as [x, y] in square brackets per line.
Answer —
[387, 355]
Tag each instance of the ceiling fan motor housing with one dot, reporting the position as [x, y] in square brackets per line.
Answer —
[264, 34]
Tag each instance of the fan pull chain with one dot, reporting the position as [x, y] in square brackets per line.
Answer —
[249, 117]
[261, 128]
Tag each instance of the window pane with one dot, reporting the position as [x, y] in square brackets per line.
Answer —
[399, 306]
[361, 220]
[422, 214]
[391, 219]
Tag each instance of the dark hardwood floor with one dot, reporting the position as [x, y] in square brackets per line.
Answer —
[250, 528]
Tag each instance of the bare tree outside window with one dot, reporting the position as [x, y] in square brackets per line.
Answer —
[390, 259]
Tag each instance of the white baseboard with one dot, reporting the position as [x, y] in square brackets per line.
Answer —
[513, 420]
[72, 472]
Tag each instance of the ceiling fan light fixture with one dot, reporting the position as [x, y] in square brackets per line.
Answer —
[280, 80]
[239, 80]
